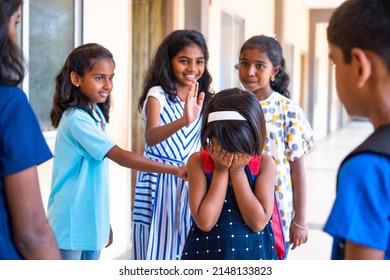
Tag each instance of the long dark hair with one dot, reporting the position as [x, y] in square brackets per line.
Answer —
[274, 51]
[66, 95]
[235, 136]
[160, 71]
[12, 66]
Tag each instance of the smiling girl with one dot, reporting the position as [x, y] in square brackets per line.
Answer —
[172, 122]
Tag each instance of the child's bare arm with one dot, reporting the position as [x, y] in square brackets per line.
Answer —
[31, 231]
[256, 206]
[298, 228]
[138, 162]
[206, 204]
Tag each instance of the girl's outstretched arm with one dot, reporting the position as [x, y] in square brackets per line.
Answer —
[255, 206]
[138, 162]
[154, 133]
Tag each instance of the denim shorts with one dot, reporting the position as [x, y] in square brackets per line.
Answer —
[80, 255]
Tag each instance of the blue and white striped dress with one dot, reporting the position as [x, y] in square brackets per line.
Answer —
[161, 214]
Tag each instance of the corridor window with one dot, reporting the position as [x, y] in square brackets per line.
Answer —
[232, 37]
[52, 28]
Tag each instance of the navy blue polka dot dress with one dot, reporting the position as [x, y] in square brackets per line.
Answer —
[230, 238]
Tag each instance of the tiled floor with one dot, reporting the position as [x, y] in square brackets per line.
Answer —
[321, 170]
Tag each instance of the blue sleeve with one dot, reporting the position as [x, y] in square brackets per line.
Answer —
[90, 136]
[361, 211]
[21, 140]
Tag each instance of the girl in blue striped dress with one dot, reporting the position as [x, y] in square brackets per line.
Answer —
[176, 88]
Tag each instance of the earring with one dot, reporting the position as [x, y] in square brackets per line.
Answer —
[208, 142]
[272, 79]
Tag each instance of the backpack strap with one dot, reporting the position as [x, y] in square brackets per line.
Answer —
[378, 143]
[277, 228]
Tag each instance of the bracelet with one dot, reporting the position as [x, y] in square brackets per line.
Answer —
[301, 227]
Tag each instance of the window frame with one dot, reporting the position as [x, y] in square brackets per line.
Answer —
[24, 44]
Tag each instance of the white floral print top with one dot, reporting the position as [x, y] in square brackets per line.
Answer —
[289, 136]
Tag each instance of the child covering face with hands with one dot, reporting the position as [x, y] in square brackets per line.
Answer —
[231, 183]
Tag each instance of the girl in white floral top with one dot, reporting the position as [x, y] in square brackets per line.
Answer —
[289, 134]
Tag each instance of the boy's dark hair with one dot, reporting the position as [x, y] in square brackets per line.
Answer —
[66, 95]
[274, 51]
[12, 67]
[361, 24]
[160, 72]
[235, 136]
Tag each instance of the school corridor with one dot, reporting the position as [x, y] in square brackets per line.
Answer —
[321, 170]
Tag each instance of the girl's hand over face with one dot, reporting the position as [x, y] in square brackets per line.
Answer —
[222, 159]
[239, 162]
[193, 104]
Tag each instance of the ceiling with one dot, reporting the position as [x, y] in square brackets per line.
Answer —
[322, 4]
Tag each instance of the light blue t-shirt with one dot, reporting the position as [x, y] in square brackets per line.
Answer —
[78, 208]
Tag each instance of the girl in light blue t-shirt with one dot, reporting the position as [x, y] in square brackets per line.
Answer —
[78, 208]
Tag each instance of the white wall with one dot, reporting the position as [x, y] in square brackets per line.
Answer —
[296, 24]
[109, 24]
[322, 88]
